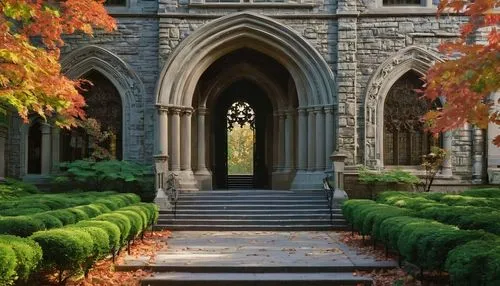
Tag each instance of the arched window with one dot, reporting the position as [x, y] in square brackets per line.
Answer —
[105, 105]
[405, 140]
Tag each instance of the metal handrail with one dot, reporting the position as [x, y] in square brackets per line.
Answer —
[172, 192]
[329, 196]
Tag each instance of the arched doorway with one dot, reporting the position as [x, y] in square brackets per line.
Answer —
[242, 91]
[296, 80]
[103, 104]
[35, 148]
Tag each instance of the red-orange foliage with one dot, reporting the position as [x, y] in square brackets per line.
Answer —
[30, 41]
[467, 80]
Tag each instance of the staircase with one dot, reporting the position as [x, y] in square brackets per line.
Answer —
[252, 210]
[240, 182]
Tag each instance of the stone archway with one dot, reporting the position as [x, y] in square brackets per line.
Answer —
[412, 58]
[312, 80]
[94, 58]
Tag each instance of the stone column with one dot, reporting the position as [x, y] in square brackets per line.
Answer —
[175, 139]
[162, 131]
[281, 145]
[288, 140]
[302, 140]
[201, 168]
[477, 155]
[329, 136]
[320, 139]
[311, 140]
[46, 149]
[56, 137]
[447, 140]
[186, 139]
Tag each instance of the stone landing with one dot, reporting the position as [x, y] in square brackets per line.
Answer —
[256, 258]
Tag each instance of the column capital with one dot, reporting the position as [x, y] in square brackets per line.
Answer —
[45, 127]
[187, 112]
[329, 108]
[318, 109]
[202, 110]
[301, 111]
[175, 110]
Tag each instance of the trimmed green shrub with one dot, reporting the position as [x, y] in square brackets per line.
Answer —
[375, 219]
[121, 221]
[49, 221]
[136, 225]
[64, 250]
[11, 188]
[141, 211]
[28, 254]
[21, 225]
[89, 210]
[349, 208]
[64, 215]
[390, 229]
[475, 263]
[111, 229]
[100, 243]
[78, 214]
[8, 264]
[482, 193]
[457, 200]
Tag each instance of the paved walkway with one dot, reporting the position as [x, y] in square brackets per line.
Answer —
[254, 249]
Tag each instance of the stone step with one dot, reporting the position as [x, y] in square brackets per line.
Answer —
[325, 211]
[307, 227]
[261, 206]
[252, 192]
[238, 201]
[250, 222]
[254, 198]
[305, 216]
[254, 279]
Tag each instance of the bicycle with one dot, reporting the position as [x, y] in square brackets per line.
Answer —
[172, 192]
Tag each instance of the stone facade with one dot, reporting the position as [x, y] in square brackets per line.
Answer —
[363, 46]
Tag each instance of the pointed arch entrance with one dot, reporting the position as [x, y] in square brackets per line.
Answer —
[302, 100]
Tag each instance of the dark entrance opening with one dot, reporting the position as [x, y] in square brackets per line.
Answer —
[246, 92]
[35, 149]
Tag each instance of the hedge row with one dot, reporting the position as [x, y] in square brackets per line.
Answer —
[18, 258]
[28, 224]
[421, 241]
[76, 248]
[463, 216]
[45, 202]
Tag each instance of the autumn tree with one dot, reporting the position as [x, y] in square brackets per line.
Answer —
[472, 72]
[240, 149]
[31, 34]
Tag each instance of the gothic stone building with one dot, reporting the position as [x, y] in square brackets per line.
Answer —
[320, 75]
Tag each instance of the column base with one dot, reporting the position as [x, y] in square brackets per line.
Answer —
[186, 181]
[494, 175]
[307, 181]
[282, 179]
[204, 179]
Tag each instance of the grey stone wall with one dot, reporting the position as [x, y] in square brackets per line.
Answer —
[351, 35]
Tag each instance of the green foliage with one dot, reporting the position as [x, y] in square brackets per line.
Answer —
[349, 208]
[111, 229]
[11, 188]
[240, 141]
[99, 242]
[387, 176]
[475, 263]
[120, 176]
[64, 249]
[136, 223]
[121, 221]
[21, 226]
[49, 221]
[8, 264]
[28, 254]
[482, 193]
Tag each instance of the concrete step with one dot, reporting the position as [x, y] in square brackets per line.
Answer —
[253, 198]
[250, 222]
[307, 227]
[253, 192]
[254, 279]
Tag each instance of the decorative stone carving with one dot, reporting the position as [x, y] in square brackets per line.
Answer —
[411, 58]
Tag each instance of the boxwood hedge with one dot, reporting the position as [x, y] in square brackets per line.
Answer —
[27, 257]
